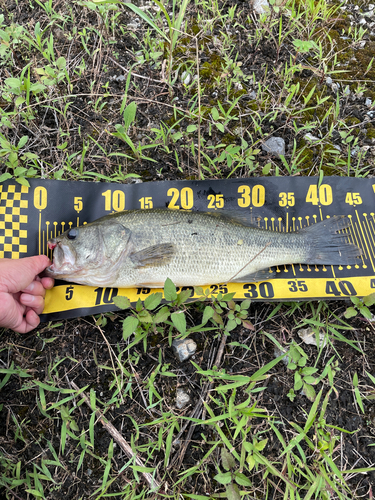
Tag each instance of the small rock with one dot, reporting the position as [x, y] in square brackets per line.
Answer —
[120, 78]
[274, 145]
[261, 6]
[186, 78]
[329, 80]
[308, 336]
[238, 86]
[368, 102]
[253, 94]
[184, 349]
[278, 352]
[310, 137]
[182, 398]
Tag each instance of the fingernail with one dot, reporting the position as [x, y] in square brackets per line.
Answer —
[27, 299]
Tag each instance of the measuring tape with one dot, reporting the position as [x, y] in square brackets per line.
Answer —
[29, 216]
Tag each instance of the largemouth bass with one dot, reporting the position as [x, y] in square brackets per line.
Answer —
[145, 247]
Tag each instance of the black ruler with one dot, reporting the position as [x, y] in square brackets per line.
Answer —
[29, 216]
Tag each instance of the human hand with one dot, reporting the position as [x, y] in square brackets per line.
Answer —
[22, 292]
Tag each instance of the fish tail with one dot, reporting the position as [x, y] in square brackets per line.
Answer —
[326, 245]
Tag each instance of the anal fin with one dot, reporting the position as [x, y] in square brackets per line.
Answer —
[263, 274]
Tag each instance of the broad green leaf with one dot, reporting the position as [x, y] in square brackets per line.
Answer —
[5, 177]
[183, 296]
[223, 477]
[23, 181]
[207, 314]
[310, 380]
[215, 114]
[179, 321]
[369, 300]
[251, 462]
[170, 293]
[129, 114]
[241, 479]
[153, 300]
[61, 63]
[309, 370]
[365, 312]
[220, 126]
[121, 301]
[350, 312]
[233, 493]
[227, 459]
[309, 392]
[261, 445]
[129, 326]
[162, 315]
[145, 317]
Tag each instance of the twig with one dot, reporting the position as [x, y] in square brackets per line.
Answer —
[198, 409]
[152, 482]
[251, 260]
[13, 493]
[135, 74]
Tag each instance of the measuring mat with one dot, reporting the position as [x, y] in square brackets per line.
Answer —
[29, 216]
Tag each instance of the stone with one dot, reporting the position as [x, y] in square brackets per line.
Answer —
[182, 398]
[261, 6]
[184, 349]
[275, 146]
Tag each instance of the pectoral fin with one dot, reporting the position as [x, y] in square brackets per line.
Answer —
[156, 255]
[264, 274]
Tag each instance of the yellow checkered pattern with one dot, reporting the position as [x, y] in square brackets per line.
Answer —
[12, 236]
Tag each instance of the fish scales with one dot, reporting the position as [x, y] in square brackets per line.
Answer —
[144, 247]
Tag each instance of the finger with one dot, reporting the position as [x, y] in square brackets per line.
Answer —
[17, 274]
[48, 283]
[35, 288]
[35, 302]
[29, 322]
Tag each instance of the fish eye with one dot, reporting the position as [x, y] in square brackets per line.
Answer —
[72, 234]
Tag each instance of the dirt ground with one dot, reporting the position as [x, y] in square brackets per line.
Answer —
[82, 351]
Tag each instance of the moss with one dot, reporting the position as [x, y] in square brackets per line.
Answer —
[351, 120]
[370, 134]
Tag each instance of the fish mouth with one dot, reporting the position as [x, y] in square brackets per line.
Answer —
[64, 259]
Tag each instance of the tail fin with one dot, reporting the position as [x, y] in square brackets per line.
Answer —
[328, 246]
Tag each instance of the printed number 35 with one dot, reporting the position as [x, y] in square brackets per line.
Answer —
[297, 286]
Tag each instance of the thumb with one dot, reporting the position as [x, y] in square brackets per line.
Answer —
[15, 275]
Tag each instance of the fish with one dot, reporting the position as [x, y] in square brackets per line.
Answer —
[142, 248]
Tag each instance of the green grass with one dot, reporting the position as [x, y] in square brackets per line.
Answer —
[188, 107]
